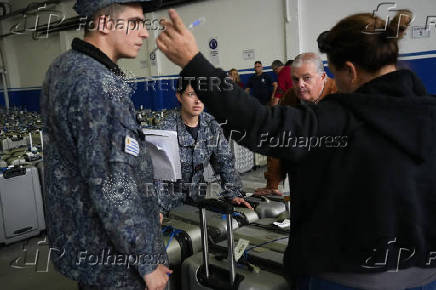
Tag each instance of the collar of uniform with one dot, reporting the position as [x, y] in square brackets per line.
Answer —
[94, 52]
[185, 138]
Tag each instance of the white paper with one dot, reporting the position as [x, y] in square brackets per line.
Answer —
[240, 248]
[163, 146]
[285, 224]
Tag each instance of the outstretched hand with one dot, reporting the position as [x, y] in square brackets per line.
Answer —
[242, 202]
[176, 41]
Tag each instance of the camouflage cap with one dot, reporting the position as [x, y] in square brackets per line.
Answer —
[90, 7]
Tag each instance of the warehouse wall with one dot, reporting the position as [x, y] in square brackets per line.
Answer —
[416, 54]
[320, 17]
[273, 31]
[237, 25]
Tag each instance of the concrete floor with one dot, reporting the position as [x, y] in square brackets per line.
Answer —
[18, 271]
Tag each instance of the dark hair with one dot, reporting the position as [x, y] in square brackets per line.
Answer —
[365, 40]
[257, 62]
[112, 11]
[289, 62]
[181, 84]
[276, 63]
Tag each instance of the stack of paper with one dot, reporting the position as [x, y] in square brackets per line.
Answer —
[164, 150]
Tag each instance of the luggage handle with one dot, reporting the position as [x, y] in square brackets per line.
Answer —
[216, 205]
[265, 199]
[224, 208]
[287, 201]
[260, 197]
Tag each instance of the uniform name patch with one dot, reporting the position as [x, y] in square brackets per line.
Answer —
[131, 146]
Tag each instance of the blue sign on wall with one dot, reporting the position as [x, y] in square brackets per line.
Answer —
[213, 43]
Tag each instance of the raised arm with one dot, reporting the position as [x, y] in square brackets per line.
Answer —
[261, 125]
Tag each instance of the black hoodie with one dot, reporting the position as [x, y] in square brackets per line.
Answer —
[365, 191]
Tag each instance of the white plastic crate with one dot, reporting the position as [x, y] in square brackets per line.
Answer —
[260, 160]
[8, 144]
[244, 158]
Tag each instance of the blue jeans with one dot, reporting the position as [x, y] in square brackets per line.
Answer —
[313, 283]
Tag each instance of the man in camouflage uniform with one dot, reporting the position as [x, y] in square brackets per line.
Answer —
[201, 140]
[101, 209]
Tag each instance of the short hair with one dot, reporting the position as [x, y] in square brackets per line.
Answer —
[289, 62]
[276, 64]
[257, 62]
[182, 83]
[112, 11]
[310, 57]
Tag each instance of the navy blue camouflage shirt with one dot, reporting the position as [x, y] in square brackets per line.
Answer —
[210, 146]
[101, 209]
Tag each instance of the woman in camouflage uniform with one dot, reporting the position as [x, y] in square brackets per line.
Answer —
[201, 141]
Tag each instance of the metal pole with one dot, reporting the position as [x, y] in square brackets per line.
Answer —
[231, 255]
[204, 241]
[42, 140]
[5, 89]
[287, 200]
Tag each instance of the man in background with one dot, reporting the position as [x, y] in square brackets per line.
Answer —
[283, 73]
[261, 85]
[310, 85]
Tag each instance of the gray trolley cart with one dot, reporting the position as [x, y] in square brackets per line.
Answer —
[202, 271]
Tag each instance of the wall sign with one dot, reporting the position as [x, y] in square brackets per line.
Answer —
[213, 51]
[248, 54]
[153, 60]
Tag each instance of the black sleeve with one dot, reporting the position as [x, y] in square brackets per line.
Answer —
[262, 126]
[269, 79]
[249, 83]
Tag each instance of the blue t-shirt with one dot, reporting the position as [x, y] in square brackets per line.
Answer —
[261, 87]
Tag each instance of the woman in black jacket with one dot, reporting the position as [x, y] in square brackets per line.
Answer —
[364, 208]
